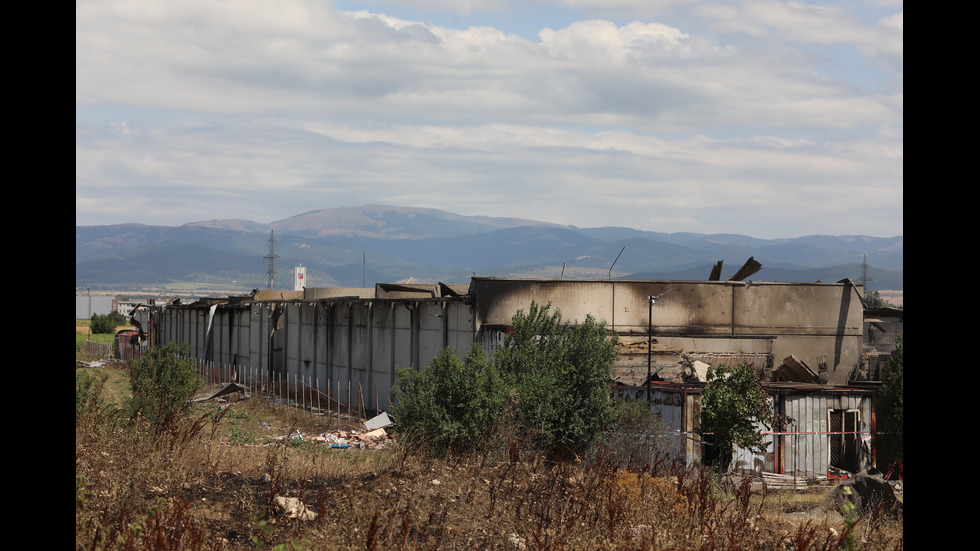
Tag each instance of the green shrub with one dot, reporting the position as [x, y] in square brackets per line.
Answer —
[162, 382]
[102, 324]
[733, 405]
[561, 375]
[890, 433]
[554, 375]
[89, 392]
[452, 403]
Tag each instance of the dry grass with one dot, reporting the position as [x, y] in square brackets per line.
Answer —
[193, 486]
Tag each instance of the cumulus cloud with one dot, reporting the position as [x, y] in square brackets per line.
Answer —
[274, 108]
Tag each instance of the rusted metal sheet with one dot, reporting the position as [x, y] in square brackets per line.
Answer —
[716, 271]
[794, 369]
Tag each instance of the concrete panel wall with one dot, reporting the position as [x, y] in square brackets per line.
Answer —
[688, 307]
[815, 322]
[260, 328]
[364, 341]
[86, 305]
[326, 344]
[229, 336]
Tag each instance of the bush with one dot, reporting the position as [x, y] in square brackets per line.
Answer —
[557, 375]
[89, 392]
[102, 324]
[453, 403]
[733, 404]
[561, 375]
[890, 433]
[162, 384]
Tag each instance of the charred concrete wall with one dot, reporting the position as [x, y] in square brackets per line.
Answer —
[351, 340]
[820, 323]
[329, 344]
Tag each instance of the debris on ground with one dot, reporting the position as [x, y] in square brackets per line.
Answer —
[375, 439]
[338, 439]
[230, 388]
[292, 507]
[867, 491]
[379, 421]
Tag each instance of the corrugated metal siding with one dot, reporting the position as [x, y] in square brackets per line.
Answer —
[668, 404]
[809, 453]
[804, 447]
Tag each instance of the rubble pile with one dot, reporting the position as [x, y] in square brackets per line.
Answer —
[374, 436]
[374, 439]
[341, 439]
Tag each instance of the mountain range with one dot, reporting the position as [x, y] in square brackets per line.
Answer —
[358, 246]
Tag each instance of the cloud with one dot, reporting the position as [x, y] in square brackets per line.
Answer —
[265, 109]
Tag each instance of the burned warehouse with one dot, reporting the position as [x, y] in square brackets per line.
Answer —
[806, 341]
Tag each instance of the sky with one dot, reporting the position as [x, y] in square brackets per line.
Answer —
[767, 118]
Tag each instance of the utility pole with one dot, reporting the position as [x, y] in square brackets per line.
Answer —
[272, 256]
[653, 300]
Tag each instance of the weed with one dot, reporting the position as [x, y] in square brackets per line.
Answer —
[175, 488]
[850, 520]
[265, 531]
[239, 436]
[89, 390]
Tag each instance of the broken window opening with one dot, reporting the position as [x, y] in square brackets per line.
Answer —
[844, 439]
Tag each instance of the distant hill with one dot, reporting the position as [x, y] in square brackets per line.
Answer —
[386, 222]
[349, 247]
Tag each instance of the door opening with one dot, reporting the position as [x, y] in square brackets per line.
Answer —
[844, 439]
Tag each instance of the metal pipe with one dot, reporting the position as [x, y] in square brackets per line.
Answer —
[649, 344]
[614, 261]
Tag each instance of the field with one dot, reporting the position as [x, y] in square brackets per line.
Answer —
[895, 297]
[213, 482]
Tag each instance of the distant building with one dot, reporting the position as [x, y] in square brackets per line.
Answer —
[299, 278]
[805, 340]
[87, 305]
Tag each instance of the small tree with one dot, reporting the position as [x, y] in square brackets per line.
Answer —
[733, 405]
[162, 383]
[104, 324]
[451, 404]
[561, 375]
[101, 324]
[557, 375]
[889, 433]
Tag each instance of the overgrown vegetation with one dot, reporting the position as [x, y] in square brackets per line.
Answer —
[545, 388]
[187, 485]
[890, 434]
[89, 392]
[560, 372]
[734, 406]
[453, 404]
[163, 381]
[102, 324]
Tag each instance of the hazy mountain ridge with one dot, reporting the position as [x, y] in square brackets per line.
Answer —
[354, 246]
[381, 221]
